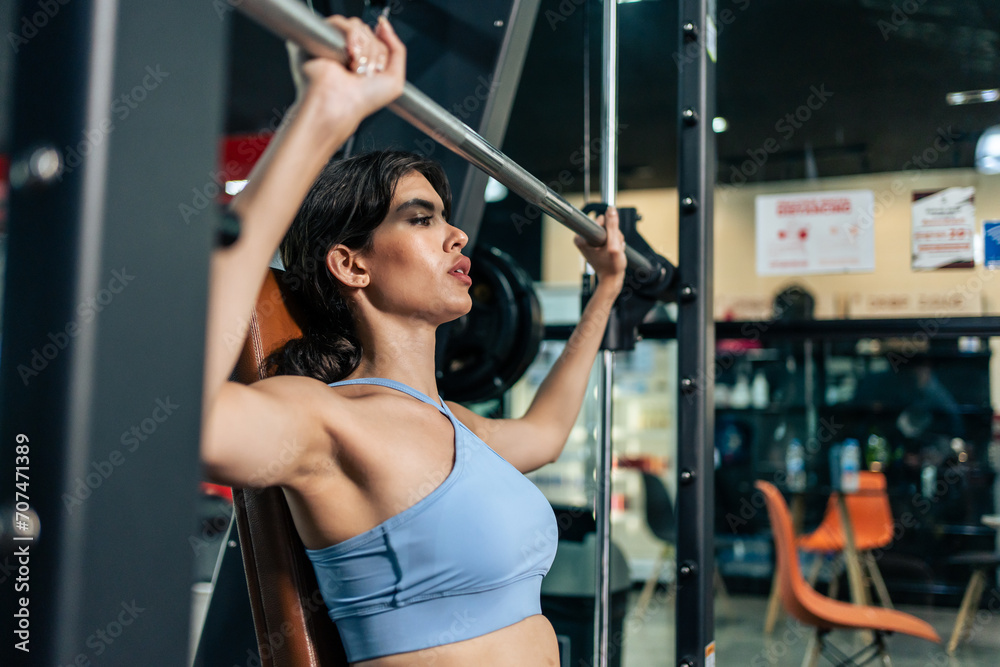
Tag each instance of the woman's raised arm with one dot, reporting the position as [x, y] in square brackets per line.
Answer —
[331, 103]
[539, 436]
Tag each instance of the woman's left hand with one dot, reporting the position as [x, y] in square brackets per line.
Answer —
[609, 259]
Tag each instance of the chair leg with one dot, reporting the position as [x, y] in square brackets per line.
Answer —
[817, 564]
[883, 653]
[650, 585]
[970, 602]
[813, 649]
[834, 586]
[773, 607]
[876, 578]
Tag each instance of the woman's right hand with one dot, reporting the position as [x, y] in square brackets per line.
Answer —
[372, 78]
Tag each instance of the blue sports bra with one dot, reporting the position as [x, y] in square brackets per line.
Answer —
[465, 560]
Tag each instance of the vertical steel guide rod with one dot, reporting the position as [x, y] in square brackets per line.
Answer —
[609, 188]
[294, 21]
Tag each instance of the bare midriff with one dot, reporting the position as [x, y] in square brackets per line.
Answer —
[527, 643]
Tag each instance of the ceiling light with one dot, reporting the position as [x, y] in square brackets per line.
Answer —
[988, 151]
[495, 191]
[720, 124]
[973, 96]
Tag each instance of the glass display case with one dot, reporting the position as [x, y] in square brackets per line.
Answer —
[920, 409]
[919, 406]
[644, 434]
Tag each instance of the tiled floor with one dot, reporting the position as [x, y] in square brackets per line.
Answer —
[649, 642]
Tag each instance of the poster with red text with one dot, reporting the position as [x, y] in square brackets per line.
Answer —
[815, 232]
[944, 223]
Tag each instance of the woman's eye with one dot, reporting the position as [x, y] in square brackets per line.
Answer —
[426, 220]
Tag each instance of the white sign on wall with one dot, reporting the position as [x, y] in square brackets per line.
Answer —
[815, 232]
[944, 223]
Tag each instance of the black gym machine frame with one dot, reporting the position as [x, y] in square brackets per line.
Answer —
[84, 218]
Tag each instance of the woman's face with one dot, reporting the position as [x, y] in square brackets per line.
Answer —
[415, 265]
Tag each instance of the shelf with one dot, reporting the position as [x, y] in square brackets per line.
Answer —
[984, 326]
[849, 408]
[769, 411]
[827, 362]
[931, 354]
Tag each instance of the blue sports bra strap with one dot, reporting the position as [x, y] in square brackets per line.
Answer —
[395, 384]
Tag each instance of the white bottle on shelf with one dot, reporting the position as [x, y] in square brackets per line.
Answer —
[739, 397]
[850, 464]
[795, 466]
[760, 392]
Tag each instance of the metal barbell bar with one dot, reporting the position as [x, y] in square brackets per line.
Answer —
[294, 21]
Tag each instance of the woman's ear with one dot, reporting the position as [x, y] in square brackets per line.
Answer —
[347, 266]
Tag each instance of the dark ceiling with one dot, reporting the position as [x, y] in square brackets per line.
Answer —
[887, 63]
[886, 72]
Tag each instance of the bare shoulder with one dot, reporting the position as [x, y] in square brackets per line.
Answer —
[286, 420]
[297, 388]
[308, 398]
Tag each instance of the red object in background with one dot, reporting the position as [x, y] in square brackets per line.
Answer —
[736, 345]
[219, 490]
[643, 462]
[237, 156]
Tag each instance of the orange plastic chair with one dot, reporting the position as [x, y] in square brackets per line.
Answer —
[804, 604]
[871, 520]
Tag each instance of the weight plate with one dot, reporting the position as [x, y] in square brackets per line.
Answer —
[483, 353]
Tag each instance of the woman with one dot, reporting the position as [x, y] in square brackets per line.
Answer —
[429, 547]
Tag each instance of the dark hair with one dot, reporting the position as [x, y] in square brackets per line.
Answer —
[348, 201]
